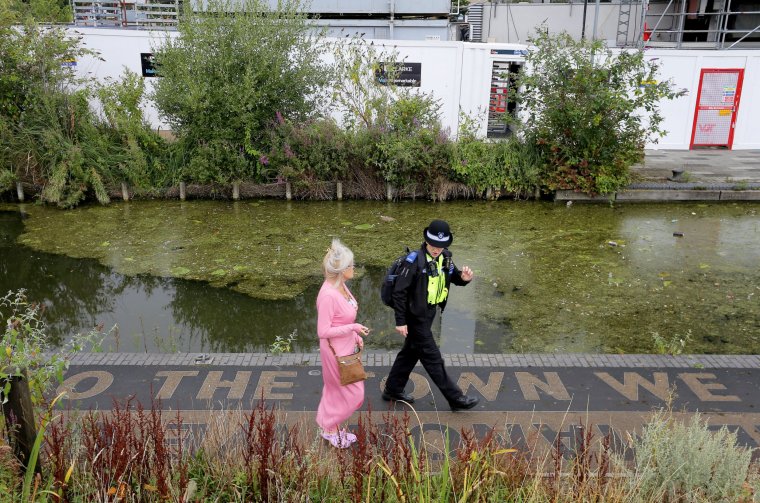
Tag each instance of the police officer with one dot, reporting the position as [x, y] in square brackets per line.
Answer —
[422, 285]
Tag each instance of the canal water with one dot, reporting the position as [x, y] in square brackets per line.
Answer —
[209, 276]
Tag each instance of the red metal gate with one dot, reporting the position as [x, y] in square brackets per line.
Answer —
[717, 106]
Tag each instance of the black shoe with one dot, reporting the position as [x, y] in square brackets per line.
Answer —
[397, 396]
[464, 402]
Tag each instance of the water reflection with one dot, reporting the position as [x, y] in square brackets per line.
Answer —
[156, 314]
[548, 277]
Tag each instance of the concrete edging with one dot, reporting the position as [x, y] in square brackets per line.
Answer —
[453, 360]
[661, 195]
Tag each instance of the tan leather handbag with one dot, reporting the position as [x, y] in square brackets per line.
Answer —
[350, 367]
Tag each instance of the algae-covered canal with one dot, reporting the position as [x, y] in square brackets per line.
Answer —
[231, 276]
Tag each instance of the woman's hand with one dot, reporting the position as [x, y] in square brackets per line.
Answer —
[360, 341]
[361, 329]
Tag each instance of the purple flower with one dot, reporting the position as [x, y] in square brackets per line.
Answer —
[289, 152]
[264, 160]
[280, 119]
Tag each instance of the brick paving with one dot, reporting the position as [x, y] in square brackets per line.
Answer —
[453, 360]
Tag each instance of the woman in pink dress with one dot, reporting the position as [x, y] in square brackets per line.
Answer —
[336, 313]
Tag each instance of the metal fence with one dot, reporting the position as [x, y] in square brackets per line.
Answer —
[115, 13]
[724, 28]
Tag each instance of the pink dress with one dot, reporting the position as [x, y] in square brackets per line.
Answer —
[335, 321]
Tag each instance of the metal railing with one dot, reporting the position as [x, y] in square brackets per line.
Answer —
[116, 13]
[669, 28]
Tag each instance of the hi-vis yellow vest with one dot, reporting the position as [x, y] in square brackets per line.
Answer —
[437, 291]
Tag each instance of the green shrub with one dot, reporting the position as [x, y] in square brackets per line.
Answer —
[397, 132]
[224, 79]
[24, 346]
[66, 147]
[121, 104]
[476, 162]
[312, 150]
[677, 461]
[523, 162]
[50, 135]
[589, 111]
[43, 11]
[416, 157]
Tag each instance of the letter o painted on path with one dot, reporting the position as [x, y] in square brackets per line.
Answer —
[103, 381]
[421, 386]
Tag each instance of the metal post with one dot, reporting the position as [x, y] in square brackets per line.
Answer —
[681, 21]
[19, 418]
[644, 7]
[583, 28]
[721, 38]
[390, 23]
[596, 19]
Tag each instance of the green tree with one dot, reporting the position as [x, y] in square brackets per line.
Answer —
[42, 11]
[223, 81]
[32, 57]
[49, 134]
[33, 82]
[589, 111]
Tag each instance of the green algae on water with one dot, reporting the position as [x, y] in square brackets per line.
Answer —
[548, 277]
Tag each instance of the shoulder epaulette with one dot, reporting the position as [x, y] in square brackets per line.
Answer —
[411, 257]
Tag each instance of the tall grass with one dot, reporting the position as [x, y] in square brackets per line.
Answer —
[134, 454]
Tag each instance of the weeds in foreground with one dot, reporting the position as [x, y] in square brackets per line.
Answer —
[131, 454]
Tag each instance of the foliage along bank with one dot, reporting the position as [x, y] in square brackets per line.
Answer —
[258, 113]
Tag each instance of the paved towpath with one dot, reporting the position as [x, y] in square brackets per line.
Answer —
[688, 175]
[523, 396]
[705, 166]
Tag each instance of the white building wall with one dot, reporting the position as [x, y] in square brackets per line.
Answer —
[684, 68]
[747, 132]
[116, 50]
[459, 74]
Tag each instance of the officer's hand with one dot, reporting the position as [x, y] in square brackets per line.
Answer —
[467, 273]
[402, 330]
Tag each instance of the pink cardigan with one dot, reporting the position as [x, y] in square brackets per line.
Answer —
[336, 322]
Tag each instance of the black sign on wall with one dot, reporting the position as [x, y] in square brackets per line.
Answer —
[401, 74]
[148, 64]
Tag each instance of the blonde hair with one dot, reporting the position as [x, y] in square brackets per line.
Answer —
[337, 259]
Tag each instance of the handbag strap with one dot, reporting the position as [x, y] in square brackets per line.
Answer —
[332, 348]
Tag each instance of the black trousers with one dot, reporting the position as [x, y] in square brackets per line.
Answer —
[420, 346]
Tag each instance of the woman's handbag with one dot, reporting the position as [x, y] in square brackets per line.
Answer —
[350, 367]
